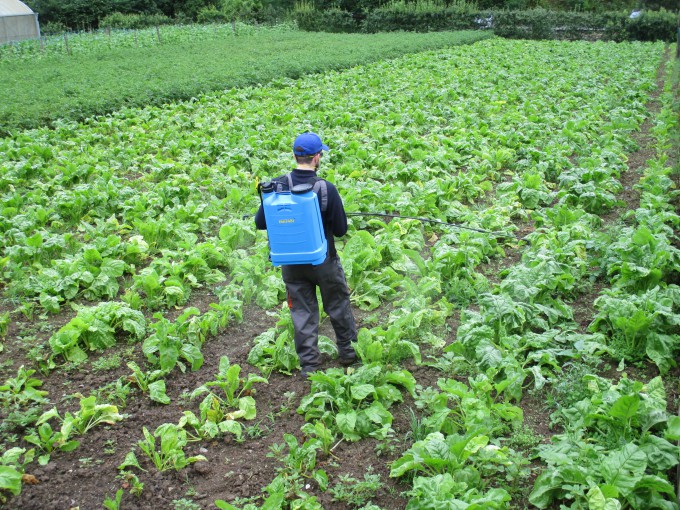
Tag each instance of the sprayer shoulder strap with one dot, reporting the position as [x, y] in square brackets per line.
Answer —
[321, 191]
[319, 188]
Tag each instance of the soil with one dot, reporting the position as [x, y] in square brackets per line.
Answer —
[83, 478]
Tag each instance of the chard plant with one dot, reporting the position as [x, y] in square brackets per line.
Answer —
[355, 404]
[80, 422]
[448, 491]
[168, 454]
[22, 390]
[95, 328]
[220, 410]
[642, 325]
[149, 382]
[616, 450]
[469, 458]
[169, 345]
[12, 466]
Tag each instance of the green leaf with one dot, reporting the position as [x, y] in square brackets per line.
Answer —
[10, 480]
[157, 392]
[346, 422]
[673, 428]
[626, 407]
[598, 501]
[221, 504]
[231, 426]
[624, 468]
[361, 391]
[130, 461]
[247, 405]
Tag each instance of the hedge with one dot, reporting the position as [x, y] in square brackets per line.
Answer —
[529, 24]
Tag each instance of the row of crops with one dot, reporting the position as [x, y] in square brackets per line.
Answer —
[103, 41]
[123, 218]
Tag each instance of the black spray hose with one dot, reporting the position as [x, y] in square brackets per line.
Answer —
[424, 220]
[428, 220]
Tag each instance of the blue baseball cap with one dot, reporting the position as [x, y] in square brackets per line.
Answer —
[308, 144]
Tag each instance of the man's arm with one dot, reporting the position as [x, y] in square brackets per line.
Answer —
[335, 212]
[260, 221]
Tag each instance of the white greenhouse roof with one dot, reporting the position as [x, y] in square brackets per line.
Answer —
[13, 8]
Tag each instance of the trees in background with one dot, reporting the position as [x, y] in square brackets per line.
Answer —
[84, 14]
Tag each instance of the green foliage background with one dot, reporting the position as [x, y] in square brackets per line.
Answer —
[36, 93]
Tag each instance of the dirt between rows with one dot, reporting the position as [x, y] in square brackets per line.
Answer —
[83, 478]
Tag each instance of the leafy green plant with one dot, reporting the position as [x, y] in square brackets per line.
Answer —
[170, 343]
[4, 325]
[95, 328]
[466, 457]
[22, 390]
[641, 325]
[640, 259]
[355, 404]
[321, 433]
[219, 411]
[12, 464]
[88, 416]
[299, 462]
[114, 504]
[235, 391]
[450, 491]
[150, 382]
[48, 440]
[169, 454]
[455, 408]
[615, 449]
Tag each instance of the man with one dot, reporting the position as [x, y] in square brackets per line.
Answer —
[301, 280]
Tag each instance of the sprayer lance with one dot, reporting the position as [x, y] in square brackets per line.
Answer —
[429, 220]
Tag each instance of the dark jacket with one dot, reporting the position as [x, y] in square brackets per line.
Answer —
[334, 217]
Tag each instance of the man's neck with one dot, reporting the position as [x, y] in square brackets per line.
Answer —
[306, 167]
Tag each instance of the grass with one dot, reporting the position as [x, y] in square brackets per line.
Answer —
[35, 93]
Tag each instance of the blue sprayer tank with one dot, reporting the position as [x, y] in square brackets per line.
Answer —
[294, 225]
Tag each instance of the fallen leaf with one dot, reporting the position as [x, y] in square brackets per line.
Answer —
[29, 479]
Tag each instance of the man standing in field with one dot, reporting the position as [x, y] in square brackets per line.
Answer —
[302, 279]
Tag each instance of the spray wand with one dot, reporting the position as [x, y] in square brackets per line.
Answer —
[429, 220]
[424, 220]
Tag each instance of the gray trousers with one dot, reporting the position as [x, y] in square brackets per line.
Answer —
[301, 282]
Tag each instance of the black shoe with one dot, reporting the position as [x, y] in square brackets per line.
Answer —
[305, 372]
[347, 361]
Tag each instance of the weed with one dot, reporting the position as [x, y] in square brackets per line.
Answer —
[386, 447]
[257, 430]
[132, 481]
[288, 404]
[524, 438]
[27, 309]
[185, 504]
[4, 324]
[110, 447]
[115, 392]
[418, 429]
[114, 504]
[570, 387]
[355, 492]
[109, 362]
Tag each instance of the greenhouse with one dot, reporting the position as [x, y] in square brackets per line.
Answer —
[17, 22]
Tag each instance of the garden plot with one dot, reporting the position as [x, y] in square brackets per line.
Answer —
[148, 351]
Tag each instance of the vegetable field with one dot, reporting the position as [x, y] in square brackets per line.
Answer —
[147, 354]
